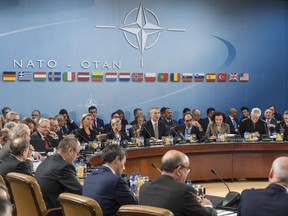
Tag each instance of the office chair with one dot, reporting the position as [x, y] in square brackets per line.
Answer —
[27, 195]
[143, 210]
[75, 205]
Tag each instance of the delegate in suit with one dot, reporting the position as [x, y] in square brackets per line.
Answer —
[153, 128]
[19, 159]
[170, 191]
[217, 126]
[271, 200]
[56, 174]
[105, 184]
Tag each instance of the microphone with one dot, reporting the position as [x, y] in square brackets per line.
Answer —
[180, 135]
[147, 131]
[153, 165]
[231, 198]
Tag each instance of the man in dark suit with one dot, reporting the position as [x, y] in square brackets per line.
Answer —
[184, 131]
[167, 120]
[210, 112]
[20, 158]
[70, 125]
[41, 140]
[270, 122]
[284, 126]
[154, 128]
[254, 124]
[170, 191]
[105, 184]
[271, 200]
[57, 174]
[98, 124]
[232, 120]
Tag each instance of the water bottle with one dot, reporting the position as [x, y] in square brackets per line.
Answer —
[219, 137]
[171, 139]
[246, 134]
[141, 141]
[131, 180]
[83, 145]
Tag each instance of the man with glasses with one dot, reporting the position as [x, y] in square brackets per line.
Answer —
[187, 129]
[41, 140]
[170, 191]
[57, 174]
[12, 117]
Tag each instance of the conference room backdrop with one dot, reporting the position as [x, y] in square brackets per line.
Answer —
[129, 53]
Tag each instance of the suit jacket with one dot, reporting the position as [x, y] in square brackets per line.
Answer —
[248, 125]
[5, 151]
[232, 127]
[212, 129]
[82, 136]
[173, 123]
[100, 125]
[55, 176]
[181, 129]
[108, 189]
[39, 144]
[180, 198]
[71, 127]
[205, 122]
[272, 130]
[147, 130]
[111, 135]
[12, 164]
[285, 135]
[261, 202]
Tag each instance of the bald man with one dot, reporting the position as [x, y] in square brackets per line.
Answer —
[170, 191]
[271, 200]
[232, 120]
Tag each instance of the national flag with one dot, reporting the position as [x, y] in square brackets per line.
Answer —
[54, 76]
[137, 77]
[199, 77]
[210, 77]
[124, 76]
[222, 77]
[244, 77]
[24, 76]
[187, 77]
[39, 76]
[111, 76]
[162, 77]
[233, 77]
[83, 76]
[97, 76]
[69, 76]
[150, 77]
[9, 76]
[175, 77]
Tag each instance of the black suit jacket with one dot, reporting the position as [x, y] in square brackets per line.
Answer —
[205, 122]
[147, 130]
[180, 198]
[173, 123]
[12, 164]
[39, 144]
[111, 135]
[55, 176]
[108, 189]
[285, 135]
[247, 125]
[261, 202]
[100, 125]
[82, 136]
[180, 129]
[232, 128]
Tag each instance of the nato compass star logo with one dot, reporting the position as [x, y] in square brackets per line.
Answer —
[141, 29]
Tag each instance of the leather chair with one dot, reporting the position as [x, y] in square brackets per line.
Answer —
[75, 205]
[143, 210]
[27, 195]
[2, 180]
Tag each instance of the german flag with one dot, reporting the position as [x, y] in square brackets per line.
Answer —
[9, 76]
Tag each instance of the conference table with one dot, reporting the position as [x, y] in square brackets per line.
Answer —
[234, 160]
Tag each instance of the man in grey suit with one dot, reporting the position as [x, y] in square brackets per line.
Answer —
[170, 191]
[271, 200]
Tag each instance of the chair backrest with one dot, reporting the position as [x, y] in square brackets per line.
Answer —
[75, 205]
[27, 195]
[2, 180]
[143, 210]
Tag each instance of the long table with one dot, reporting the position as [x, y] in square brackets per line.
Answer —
[230, 160]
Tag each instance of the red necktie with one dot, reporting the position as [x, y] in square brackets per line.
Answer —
[46, 143]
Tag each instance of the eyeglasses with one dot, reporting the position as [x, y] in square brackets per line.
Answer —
[188, 169]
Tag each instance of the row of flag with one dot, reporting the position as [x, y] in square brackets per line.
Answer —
[125, 76]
